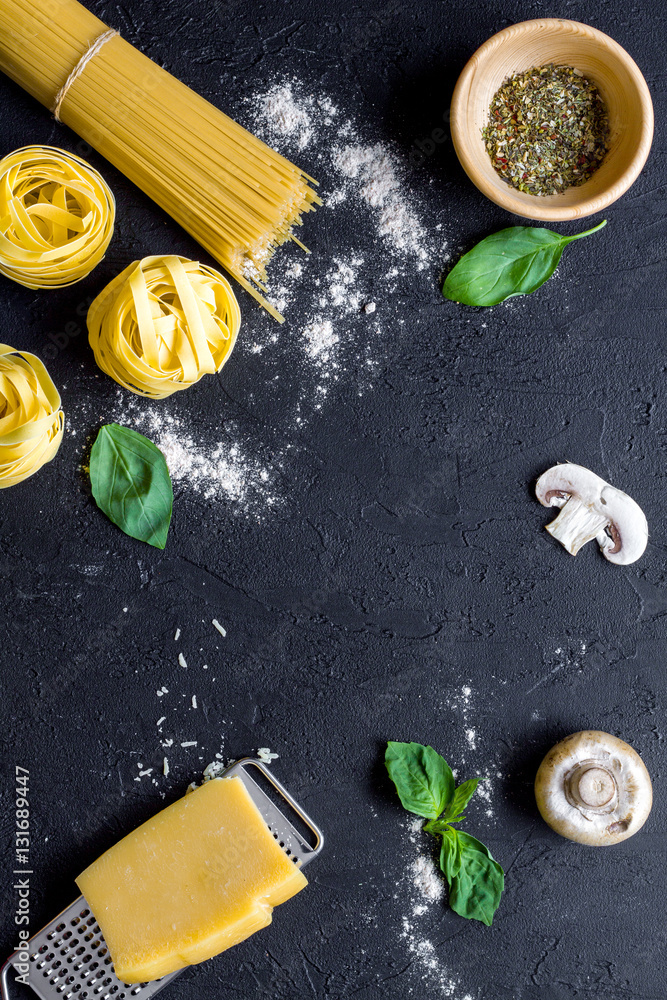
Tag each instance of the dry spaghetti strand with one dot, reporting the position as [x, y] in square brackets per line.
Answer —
[238, 197]
[31, 419]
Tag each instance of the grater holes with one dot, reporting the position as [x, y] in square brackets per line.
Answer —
[84, 913]
[107, 960]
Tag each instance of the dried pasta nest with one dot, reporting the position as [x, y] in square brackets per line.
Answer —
[162, 324]
[31, 419]
[56, 217]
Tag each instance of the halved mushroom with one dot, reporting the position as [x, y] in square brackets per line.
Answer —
[591, 508]
[593, 788]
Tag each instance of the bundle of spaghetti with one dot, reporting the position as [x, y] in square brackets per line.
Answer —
[162, 324]
[56, 217]
[31, 420]
[238, 197]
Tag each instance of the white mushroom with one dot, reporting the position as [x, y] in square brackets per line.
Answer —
[593, 788]
[591, 508]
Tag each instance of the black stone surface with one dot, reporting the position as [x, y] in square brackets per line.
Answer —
[406, 560]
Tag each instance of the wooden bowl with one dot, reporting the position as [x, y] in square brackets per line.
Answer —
[603, 61]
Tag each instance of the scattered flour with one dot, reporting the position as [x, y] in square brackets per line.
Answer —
[426, 891]
[375, 172]
[368, 198]
[221, 469]
[320, 339]
[427, 963]
[426, 881]
[286, 116]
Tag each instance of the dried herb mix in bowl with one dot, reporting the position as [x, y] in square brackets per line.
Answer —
[547, 130]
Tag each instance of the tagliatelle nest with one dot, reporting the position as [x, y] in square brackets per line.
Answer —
[56, 217]
[31, 420]
[162, 324]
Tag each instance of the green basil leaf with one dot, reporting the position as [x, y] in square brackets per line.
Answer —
[423, 779]
[475, 891]
[514, 261]
[460, 800]
[131, 484]
[450, 854]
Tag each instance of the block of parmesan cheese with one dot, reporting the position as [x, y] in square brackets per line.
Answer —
[199, 877]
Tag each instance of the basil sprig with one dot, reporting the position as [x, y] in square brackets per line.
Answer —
[426, 786]
[131, 484]
[514, 261]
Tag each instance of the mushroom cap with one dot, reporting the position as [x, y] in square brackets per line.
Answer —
[593, 788]
[555, 486]
[625, 537]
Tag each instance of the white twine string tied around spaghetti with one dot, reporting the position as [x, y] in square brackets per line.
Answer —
[89, 54]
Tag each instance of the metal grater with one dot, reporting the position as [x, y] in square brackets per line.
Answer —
[69, 959]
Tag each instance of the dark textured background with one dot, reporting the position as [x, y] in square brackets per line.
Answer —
[407, 560]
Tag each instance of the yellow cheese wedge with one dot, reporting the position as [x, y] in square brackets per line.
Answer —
[199, 877]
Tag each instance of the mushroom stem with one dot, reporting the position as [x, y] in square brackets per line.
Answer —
[592, 786]
[576, 524]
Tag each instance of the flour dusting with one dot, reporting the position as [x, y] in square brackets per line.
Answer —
[426, 897]
[381, 237]
[375, 173]
[215, 469]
